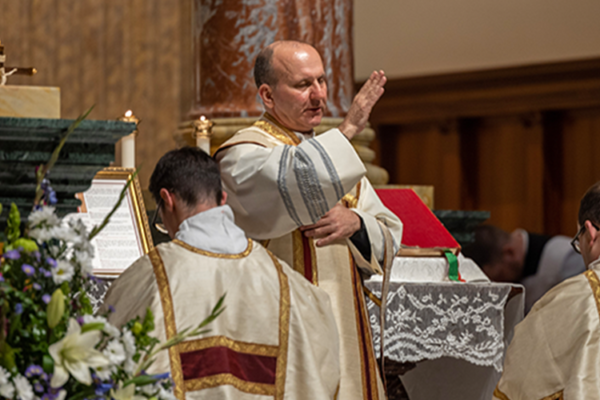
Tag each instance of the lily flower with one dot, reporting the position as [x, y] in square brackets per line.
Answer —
[125, 393]
[75, 354]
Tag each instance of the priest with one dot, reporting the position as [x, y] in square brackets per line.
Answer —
[306, 197]
[555, 353]
[277, 336]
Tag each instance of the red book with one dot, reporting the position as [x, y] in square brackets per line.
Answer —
[423, 234]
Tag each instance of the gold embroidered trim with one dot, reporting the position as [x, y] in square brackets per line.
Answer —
[298, 251]
[223, 341]
[215, 255]
[369, 363]
[499, 394]
[284, 329]
[555, 396]
[298, 254]
[595, 285]
[169, 316]
[351, 201]
[313, 261]
[371, 296]
[275, 129]
[228, 379]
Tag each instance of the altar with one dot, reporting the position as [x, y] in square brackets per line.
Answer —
[454, 333]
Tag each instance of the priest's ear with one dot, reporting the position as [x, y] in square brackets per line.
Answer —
[266, 94]
[168, 199]
[223, 198]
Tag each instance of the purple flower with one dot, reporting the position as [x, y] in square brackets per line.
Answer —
[160, 377]
[12, 255]
[38, 387]
[46, 298]
[18, 308]
[51, 261]
[37, 286]
[111, 309]
[80, 321]
[37, 255]
[33, 370]
[46, 273]
[103, 388]
[28, 269]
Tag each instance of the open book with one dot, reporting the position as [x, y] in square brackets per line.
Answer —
[423, 234]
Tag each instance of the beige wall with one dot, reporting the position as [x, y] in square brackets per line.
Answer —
[420, 37]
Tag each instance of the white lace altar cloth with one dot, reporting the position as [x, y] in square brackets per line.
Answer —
[427, 321]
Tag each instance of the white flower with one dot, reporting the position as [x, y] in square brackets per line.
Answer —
[45, 216]
[109, 329]
[104, 372]
[129, 342]
[115, 352]
[84, 259]
[61, 395]
[66, 234]
[24, 389]
[63, 272]
[7, 389]
[43, 234]
[164, 394]
[125, 393]
[75, 354]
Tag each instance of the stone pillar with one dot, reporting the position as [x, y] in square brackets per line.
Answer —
[227, 37]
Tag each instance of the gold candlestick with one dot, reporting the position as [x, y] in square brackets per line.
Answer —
[203, 132]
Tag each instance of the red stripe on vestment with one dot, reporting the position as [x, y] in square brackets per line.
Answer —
[308, 263]
[223, 360]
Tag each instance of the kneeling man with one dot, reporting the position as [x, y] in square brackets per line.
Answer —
[555, 353]
[277, 336]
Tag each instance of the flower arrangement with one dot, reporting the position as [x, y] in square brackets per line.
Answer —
[52, 347]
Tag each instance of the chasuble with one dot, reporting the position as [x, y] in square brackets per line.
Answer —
[276, 338]
[555, 353]
[277, 181]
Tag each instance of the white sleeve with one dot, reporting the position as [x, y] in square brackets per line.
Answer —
[371, 209]
[273, 191]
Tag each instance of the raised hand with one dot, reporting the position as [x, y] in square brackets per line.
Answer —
[363, 103]
[338, 223]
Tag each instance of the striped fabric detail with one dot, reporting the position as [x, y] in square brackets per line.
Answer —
[282, 186]
[333, 175]
[309, 185]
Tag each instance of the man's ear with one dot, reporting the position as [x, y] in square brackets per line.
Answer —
[266, 94]
[509, 253]
[223, 198]
[168, 199]
[593, 232]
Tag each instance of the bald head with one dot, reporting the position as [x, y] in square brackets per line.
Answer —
[270, 59]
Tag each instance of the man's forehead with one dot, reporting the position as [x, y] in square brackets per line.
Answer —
[291, 58]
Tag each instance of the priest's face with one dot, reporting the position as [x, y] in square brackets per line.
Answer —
[299, 97]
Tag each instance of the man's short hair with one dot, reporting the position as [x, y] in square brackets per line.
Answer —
[589, 208]
[190, 173]
[263, 68]
[488, 244]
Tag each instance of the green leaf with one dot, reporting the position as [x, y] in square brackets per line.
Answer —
[47, 364]
[7, 356]
[92, 326]
[13, 224]
[140, 380]
[43, 170]
[27, 244]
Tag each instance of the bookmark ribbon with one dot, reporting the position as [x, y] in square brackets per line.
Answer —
[453, 273]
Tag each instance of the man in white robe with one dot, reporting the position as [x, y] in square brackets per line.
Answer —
[555, 353]
[307, 197]
[277, 337]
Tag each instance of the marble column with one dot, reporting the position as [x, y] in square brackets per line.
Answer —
[227, 37]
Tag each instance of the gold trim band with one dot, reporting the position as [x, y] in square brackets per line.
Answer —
[228, 379]
[169, 319]
[223, 341]
[215, 255]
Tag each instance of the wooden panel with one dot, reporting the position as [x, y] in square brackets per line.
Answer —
[427, 154]
[511, 172]
[581, 162]
[116, 54]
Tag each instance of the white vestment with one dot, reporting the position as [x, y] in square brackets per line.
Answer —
[277, 181]
[555, 353]
[276, 339]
